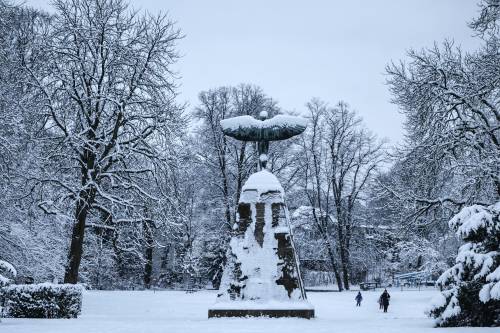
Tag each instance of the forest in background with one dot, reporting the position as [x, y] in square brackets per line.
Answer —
[108, 180]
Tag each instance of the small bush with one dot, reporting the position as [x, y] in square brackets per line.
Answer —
[43, 300]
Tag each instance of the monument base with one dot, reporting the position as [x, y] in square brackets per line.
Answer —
[271, 313]
[271, 309]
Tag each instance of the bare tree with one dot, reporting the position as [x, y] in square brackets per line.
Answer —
[340, 159]
[451, 103]
[107, 97]
[31, 242]
[355, 154]
[316, 184]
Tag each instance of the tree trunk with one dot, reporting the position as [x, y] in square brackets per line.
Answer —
[344, 257]
[76, 247]
[346, 248]
[343, 231]
[148, 266]
[345, 268]
[333, 262]
[120, 266]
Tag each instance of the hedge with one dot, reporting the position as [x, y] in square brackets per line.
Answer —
[44, 300]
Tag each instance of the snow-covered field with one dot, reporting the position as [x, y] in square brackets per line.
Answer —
[176, 311]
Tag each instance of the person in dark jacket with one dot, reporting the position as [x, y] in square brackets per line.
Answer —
[384, 299]
[358, 298]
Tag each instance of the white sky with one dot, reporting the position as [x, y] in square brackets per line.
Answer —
[296, 50]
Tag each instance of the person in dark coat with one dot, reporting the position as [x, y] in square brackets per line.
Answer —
[384, 298]
[358, 298]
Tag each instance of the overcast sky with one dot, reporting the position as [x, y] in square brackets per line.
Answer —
[296, 50]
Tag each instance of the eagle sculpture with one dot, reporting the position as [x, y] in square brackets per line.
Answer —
[263, 130]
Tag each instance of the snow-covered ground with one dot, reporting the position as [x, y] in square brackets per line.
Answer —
[176, 311]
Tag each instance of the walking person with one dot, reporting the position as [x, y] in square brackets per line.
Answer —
[384, 298]
[358, 298]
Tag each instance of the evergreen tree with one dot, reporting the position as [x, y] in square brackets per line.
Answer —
[472, 294]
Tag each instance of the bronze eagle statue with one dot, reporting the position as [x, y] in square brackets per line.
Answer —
[263, 130]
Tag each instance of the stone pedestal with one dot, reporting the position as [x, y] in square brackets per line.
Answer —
[262, 276]
[271, 313]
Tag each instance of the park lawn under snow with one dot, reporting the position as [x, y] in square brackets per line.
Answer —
[177, 311]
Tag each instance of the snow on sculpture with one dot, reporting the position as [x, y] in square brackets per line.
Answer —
[262, 276]
[247, 128]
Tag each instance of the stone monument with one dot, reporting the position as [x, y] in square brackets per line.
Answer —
[262, 275]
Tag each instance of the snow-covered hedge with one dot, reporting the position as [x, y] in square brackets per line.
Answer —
[6, 271]
[472, 295]
[45, 300]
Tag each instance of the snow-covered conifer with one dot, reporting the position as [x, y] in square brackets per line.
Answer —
[472, 286]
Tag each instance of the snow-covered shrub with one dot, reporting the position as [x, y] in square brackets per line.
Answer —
[7, 271]
[472, 295]
[44, 300]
